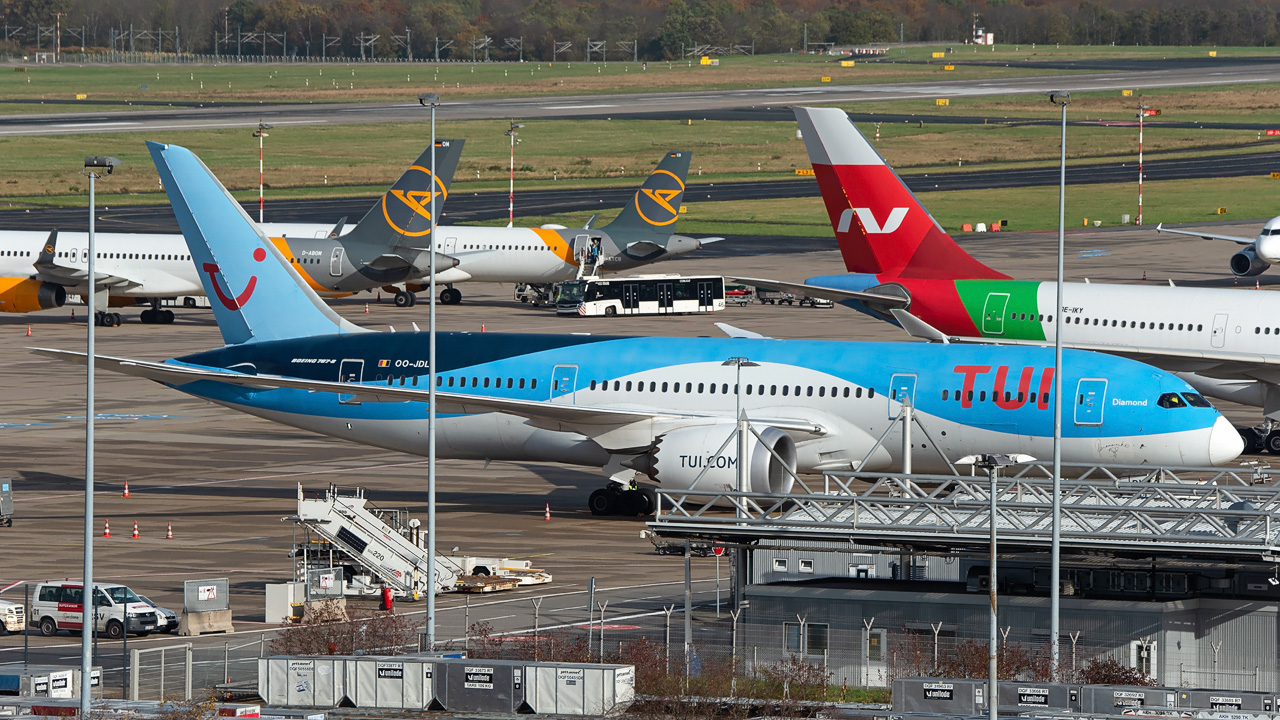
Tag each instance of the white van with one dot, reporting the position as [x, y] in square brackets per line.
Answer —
[57, 606]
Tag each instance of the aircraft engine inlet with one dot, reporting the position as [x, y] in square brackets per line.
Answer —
[680, 456]
[1246, 263]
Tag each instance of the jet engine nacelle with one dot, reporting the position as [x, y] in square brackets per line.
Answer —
[680, 456]
[23, 295]
[1246, 263]
[681, 244]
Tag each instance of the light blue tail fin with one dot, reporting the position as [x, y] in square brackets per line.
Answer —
[254, 293]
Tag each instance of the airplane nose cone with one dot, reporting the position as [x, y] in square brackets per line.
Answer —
[1225, 443]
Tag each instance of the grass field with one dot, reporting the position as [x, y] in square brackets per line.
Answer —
[336, 160]
[1173, 201]
[356, 82]
[122, 84]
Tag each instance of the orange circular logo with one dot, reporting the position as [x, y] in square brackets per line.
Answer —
[409, 211]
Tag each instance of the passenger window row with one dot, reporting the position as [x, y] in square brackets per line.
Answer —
[690, 388]
[476, 382]
[1135, 324]
[995, 397]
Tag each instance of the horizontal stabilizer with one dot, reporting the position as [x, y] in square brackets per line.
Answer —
[826, 293]
[1207, 236]
[918, 328]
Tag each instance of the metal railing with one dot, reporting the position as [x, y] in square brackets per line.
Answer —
[1122, 509]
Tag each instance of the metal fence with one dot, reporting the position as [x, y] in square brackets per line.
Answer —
[184, 669]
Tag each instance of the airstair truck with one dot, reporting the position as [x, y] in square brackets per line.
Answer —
[357, 530]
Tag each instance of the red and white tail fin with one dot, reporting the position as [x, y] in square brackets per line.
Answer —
[881, 227]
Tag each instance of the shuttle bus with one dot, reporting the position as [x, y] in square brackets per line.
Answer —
[641, 295]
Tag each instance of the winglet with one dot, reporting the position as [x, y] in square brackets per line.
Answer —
[255, 294]
[918, 328]
[737, 332]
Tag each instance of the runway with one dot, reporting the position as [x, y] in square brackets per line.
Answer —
[694, 104]
[464, 208]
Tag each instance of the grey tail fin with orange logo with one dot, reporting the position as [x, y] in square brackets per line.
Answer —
[402, 216]
[656, 205]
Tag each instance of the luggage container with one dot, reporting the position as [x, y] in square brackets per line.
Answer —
[579, 689]
[402, 683]
[1227, 700]
[1018, 696]
[1120, 699]
[942, 696]
[314, 682]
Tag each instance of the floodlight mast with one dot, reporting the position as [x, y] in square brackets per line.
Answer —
[95, 166]
[431, 100]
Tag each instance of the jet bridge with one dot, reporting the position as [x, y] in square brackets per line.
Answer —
[1181, 513]
[360, 532]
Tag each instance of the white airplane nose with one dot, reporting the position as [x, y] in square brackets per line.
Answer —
[1225, 443]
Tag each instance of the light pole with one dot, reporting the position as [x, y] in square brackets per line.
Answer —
[992, 464]
[739, 566]
[511, 191]
[1143, 113]
[431, 100]
[260, 133]
[1055, 546]
[93, 168]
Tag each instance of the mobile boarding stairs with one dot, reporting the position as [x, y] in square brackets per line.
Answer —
[393, 553]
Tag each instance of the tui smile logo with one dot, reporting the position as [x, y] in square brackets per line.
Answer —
[408, 210]
[237, 302]
[658, 201]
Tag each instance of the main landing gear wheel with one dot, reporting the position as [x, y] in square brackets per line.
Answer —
[157, 317]
[450, 296]
[107, 319]
[603, 502]
[613, 500]
[1254, 442]
[1273, 442]
[405, 299]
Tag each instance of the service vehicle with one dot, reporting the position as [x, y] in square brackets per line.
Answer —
[816, 302]
[769, 296]
[166, 619]
[13, 617]
[58, 606]
[641, 295]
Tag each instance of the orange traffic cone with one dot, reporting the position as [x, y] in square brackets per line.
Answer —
[126, 489]
[546, 515]
[135, 529]
[106, 528]
[481, 327]
[168, 535]
[28, 331]
[366, 308]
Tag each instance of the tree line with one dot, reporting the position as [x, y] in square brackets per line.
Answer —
[645, 29]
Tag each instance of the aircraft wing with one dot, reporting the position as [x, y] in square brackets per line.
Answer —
[588, 420]
[1206, 236]
[48, 270]
[825, 293]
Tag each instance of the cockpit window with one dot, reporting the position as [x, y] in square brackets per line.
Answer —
[1171, 400]
[1196, 400]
